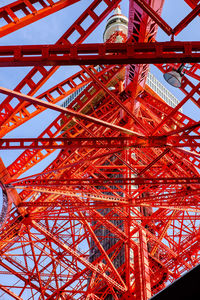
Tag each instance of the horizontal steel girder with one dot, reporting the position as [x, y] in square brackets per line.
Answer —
[86, 54]
[103, 181]
[105, 142]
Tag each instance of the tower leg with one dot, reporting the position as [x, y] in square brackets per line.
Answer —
[142, 272]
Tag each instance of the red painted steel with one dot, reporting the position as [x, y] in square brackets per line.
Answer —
[154, 16]
[100, 181]
[52, 95]
[141, 28]
[188, 19]
[126, 170]
[114, 142]
[9, 111]
[24, 12]
[92, 54]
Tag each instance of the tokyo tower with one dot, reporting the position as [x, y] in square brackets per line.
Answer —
[99, 168]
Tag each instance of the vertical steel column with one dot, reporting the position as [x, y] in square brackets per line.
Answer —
[142, 272]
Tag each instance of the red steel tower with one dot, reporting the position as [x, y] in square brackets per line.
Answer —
[117, 164]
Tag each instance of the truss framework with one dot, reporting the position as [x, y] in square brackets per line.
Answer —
[115, 213]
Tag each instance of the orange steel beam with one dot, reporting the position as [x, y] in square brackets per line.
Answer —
[53, 95]
[142, 269]
[53, 214]
[192, 3]
[67, 223]
[171, 116]
[103, 201]
[162, 24]
[75, 254]
[56, 293]
[9, 292]
[65, 110]
[155, 16]
[19, 165]
[104, 253]
[114, 97]
[141, 28]
[110, 199]
[42, 72]
[19, 276]
[35, 263]
[168, 196]
[99, 142]
[178, 106]
[102, 181]
[184, 129]
[29, 158]
[188, 19]
[83, 194]
[63, 287]
[9, 120]
[86, 54]
[30, 13]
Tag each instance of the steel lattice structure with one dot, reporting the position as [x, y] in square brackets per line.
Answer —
[125, 167]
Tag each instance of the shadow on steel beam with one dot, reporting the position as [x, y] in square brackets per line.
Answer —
[187, 287]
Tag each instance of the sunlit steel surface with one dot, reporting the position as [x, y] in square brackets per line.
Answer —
[59, 206]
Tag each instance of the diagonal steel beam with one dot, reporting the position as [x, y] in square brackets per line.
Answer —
[172, 113]
[185, 128]
[188, 19]
[114, 97]
[22, 278]
[72, 252]
[154, 16]
[10, 13]
[65, 111]
[9, 292]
